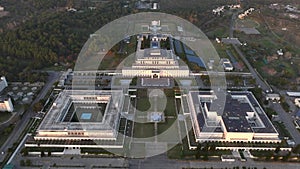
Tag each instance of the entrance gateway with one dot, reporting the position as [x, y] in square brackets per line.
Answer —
[155, 74]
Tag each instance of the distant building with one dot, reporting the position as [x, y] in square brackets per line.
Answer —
[293, 94]
[234, 41]
[3, 83]
[297, 102]
[155, 6]
[227, 158]
[280, 52]
[6, 104]
[155, 62]
[64, 77]
[273, 97]
[226, 64]
[246, 13]
[71, 10]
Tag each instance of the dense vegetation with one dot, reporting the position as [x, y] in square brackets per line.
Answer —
[38, 33]
[49, 38]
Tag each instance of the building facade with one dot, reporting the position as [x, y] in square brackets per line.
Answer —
[6, 104]
[240, 120]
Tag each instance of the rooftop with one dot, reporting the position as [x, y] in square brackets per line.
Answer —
[86, 102]
[241, 113]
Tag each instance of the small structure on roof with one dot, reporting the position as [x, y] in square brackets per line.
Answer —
[226, 64]
[297, 103]
[273, 97]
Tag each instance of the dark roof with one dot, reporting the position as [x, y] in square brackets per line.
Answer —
[235, 114]
[3, 98]
[298, 113]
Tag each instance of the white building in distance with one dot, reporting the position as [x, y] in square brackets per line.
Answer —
[154, 61]
[3, 83]
[6, 104]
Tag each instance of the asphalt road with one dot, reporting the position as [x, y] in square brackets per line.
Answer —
[285, 117]
[21, 124]
[161, 162]
[259, 81]
[288, 121]
[156, 162]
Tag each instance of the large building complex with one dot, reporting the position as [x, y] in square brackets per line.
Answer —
[91, 118]
[82, 118]
[241, 119]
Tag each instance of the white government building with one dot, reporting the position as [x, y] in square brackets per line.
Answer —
[82, 118]
[241, 119]
[155, 62]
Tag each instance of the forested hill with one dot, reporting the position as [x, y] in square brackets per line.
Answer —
[50, 37]
[39, 33]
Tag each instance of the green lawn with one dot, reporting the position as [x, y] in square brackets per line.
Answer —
[143, 130]
[283, 132]
[143, 104]
[170, 107]
[5, 134]
[164, 126]
[4, 116]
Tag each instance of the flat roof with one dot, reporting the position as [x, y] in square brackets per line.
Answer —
[54, 119]
[241, 113]
[228, 65]
[293, 94]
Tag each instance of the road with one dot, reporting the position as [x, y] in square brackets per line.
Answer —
[162, 162]
[156, 162]
[21, 124]
[263, 85]
[284, 117]
[288, 121]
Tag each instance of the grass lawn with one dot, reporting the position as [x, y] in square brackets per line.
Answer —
[175, 152]
[143, 104]
[283, 132]
[247, 23]
[4, 116]
[219, 32]
[161, 127]
[168, 131]
[143, 130]
[170, 108]
[5, 134]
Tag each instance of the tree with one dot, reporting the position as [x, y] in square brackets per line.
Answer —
[277, 150]
[37, 106]
[22, 163]
[28, 162]
[205, 157]
[42, 153]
